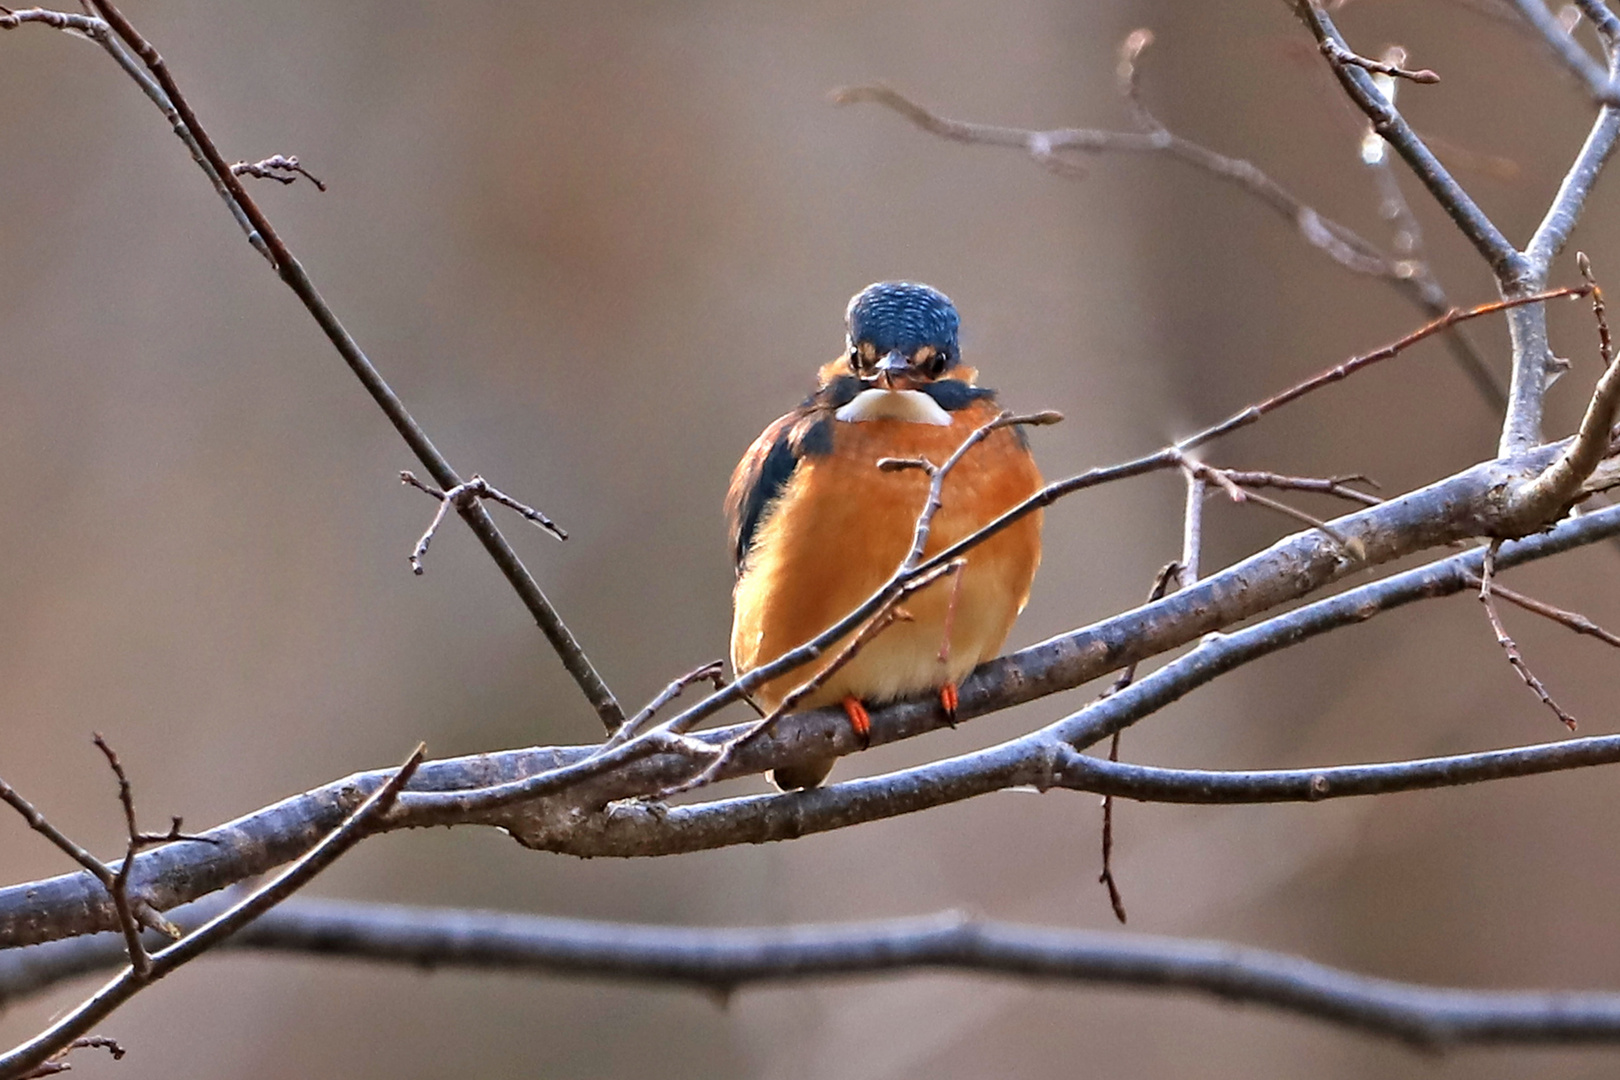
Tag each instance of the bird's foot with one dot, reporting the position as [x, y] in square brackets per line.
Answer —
[859, 720]
[948, 701]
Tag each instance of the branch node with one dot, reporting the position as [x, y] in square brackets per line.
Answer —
[1338, 54]
[462, 497]
[281, 168]
[1509, 646]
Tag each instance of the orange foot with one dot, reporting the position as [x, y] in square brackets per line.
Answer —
[948, 701]
[859, 719]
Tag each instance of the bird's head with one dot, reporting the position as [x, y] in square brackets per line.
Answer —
[901, 335]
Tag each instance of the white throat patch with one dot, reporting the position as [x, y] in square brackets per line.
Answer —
[913, 406]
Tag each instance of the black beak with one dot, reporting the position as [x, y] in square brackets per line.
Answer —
[891, 365]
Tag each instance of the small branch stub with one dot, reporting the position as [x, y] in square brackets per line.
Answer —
[278, 167]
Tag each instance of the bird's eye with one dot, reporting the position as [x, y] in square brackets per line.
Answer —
[936, 365]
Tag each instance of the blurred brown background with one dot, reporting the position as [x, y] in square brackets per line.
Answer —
[596, 247]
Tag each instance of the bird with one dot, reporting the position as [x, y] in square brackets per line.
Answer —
[816, 527]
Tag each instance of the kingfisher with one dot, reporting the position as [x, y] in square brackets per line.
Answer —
[817, 527]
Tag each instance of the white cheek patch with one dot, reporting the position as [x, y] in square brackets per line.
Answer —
[912, 406]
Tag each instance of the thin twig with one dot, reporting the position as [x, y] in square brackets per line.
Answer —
[937, 474]
[1224, 480]
[87, 25]
[1337, 486]
[58, 1062]
[1572, 620]
[1509, 646]
[1451, 318]
[1338, 54]
[713, 671]
[1183, 573]
[1127, 76]
[139, 961]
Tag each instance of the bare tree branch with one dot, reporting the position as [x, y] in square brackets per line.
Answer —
[1502, 256]
[724, 960]
[1603, 21]
[1560, 484]
[1338, 54]
[1517, 273]
[581, 822]
[602, 799]
[161, 87]
[1339, 242]
[26, 1058]
[1563, 46]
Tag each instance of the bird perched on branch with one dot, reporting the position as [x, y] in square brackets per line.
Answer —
[817, 527]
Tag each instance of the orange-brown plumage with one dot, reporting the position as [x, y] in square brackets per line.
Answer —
[835, 528]
[840, 530]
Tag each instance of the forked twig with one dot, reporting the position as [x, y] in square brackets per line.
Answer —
[1509, 646]
[938, 473]
[1235, 491]
[1551, 492]
[1572, 620]
[133, 911]
[1337, 486]
[713, 671]
[1412, 278]
[465, 495]
[24, 1059]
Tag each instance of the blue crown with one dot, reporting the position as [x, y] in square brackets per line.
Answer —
[906, 316]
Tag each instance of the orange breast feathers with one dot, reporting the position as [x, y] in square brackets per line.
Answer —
[841, 528]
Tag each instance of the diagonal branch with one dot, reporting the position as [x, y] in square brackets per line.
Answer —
[1567, 51]
[113, 28]
[1358, 83]
[24, 1059]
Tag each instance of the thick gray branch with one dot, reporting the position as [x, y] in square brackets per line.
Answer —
[573, 821]
[724, 960]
